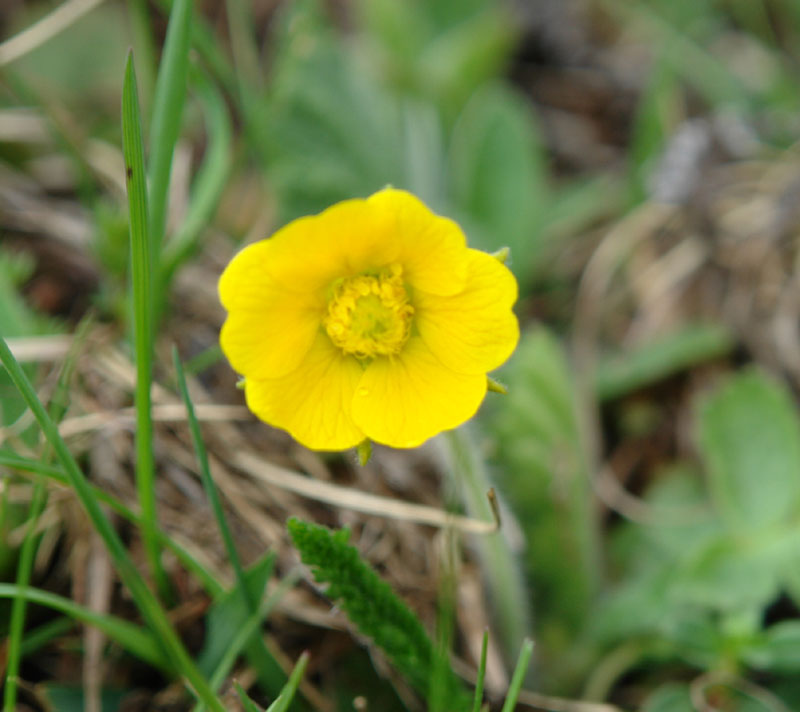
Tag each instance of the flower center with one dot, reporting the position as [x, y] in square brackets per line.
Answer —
[369, 314]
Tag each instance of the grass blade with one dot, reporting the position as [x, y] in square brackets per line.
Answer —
[476, 707]
[170, 96]
[264, 662]
[24, 569]
[285, 698]
[135, 640]
[146, 602]
[208, 483]
[56, 474]
[207, 189]
[142, 300]
[518, 676]
[30, 544]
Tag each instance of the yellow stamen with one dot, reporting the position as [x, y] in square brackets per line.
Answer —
[369, 314]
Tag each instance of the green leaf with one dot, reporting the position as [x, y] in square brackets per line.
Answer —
[540, 466]
[168, 103]
[499, 176]
[66, 698]
[777, 650]
[657, 115]
[281, 704]
[137, 641]
[670, 353]
[229, 613]
[517, 678]
[329, 130]
[733, 574]
[672, 697]
[212, 176]
[142, 304]
[749, 437]
[370, 603]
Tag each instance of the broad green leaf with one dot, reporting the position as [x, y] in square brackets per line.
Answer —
[541, 472]
[329, 131]
[731, 574]
[749, 437]
[229, 612]
[672, 697]
[498, 175]
[778, 648]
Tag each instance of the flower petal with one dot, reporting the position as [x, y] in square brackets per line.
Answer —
[342, 241]
[313, 403]
[269, 329]
[271, 342]
[432, 248]
[404, 400]
[475, 330]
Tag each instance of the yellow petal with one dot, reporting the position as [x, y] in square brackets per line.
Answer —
[268, 343]
[314, 402]
[432, 248]
[475, 330]
[269, 329]
[404, 400]
[342, 241]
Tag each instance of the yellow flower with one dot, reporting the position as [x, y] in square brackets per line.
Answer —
[372, 320]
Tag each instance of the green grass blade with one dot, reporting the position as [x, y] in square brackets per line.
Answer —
[142, 300]
[208, 483]
[285, 698]
[135, 640]
[265, 662]
[249, 630]
[519, 675]
[170, 96]
[146, 602]
[24, 569]
[476, 707]
[212, 177]
[56, 474]
[144, 48]
[41, 636]
[205, 41]
[58, 407]
[247, 703]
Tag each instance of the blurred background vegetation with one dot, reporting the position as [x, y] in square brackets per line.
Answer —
[640, 160]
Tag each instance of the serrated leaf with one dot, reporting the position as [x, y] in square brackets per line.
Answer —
[749, 437]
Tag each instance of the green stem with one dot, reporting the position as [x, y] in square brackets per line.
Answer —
[24, 569]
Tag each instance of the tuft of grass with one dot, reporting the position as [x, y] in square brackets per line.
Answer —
[145, 600]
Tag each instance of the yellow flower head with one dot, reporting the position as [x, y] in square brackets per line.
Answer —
[372, 320]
